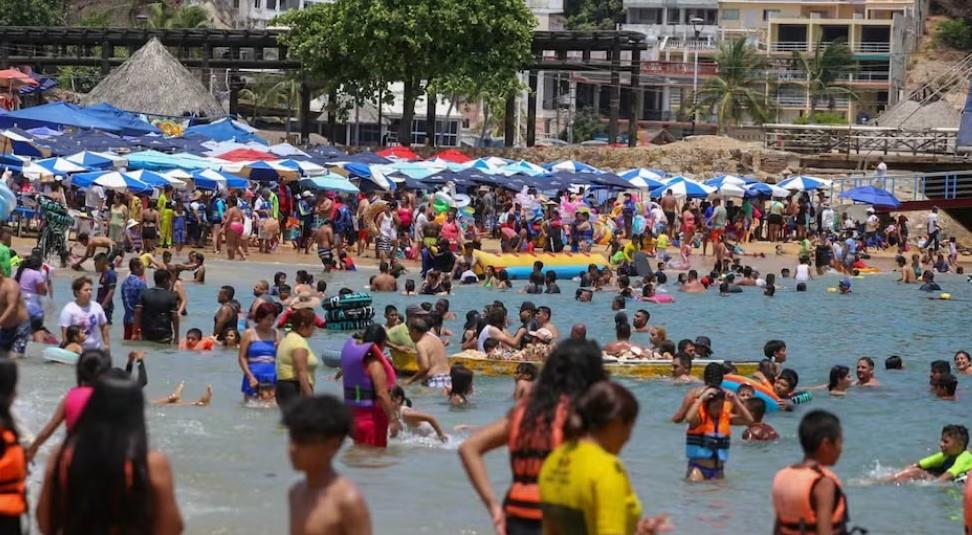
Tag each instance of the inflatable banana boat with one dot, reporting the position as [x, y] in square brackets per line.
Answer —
[520, 265]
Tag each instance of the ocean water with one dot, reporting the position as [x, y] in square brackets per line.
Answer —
[232, 471]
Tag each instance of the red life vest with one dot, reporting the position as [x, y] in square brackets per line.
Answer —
[527, 454]
[13, 473]
[793, 500]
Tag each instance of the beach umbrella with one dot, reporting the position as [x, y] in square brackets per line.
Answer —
[329, 182]
[306, 168]
[684, 188]
[804, 183]
[210, 179]
[286, 150]
[416, 170]
[644, 178]
[453, 156]
[570, 166]
[90, 160]
[522, 167]
[112, 180]
[60, 166]
[246, 155]
[268, 171]
[398, 152]
[873, 196]
[762, 189]
[156, 180]
[719, 181]
[488, 164]
[116, 160]
[177, 174]
[12, 78]
[731, 190]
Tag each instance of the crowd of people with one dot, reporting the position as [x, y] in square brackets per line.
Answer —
[569, 421]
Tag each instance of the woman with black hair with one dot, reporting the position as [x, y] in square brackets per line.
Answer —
[531, 431]
[104, 479]
[368, 375]
[13, 461]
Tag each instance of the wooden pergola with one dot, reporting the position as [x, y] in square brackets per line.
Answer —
[610, 51]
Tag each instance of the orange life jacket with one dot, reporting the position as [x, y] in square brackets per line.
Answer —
[710, 438]
[526, 458]
[13, 473]
[793, 500]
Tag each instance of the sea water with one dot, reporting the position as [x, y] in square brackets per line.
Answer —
[232, 471]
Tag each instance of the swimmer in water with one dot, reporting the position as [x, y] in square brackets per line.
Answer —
[526, 374]
[758, 430]
[939, 368]
[865, 373]
[682, 370]
[418, 423]
[952, 462]
[840, 380]
[461, 385]
[945, 387]
[785, 387]
[231, 339]
[963, 363]
[776, 350]
[175, 398]
[323, 502]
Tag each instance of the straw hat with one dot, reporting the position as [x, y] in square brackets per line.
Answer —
[131, 223]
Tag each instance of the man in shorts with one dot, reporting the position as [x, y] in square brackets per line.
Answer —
[324, 236]
[668, 206]
[718, 222]
[15, 329]
[433, 363]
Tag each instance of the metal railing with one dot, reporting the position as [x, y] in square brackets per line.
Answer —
[791, 46]
[805, 46]
[791, 101]
[678, 68]
[876, 47]
[909, 187]
[817, 139]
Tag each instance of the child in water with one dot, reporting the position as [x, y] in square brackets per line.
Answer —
[526, 374]
[74, 338]
[231, 340]
[811, 482]
[945, 387]
[952, 462]
[758, 430]
[418, 423]
[462, 385]
[707, 438]
[323, 501]
[785, 386]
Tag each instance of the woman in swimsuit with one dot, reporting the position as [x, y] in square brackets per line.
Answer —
[233, 230]
[150, 230]
[258, 351]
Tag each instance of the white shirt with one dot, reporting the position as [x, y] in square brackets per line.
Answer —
[827, 218]
[802, 273]
[882, 169]
[872, 223]
[93, 197]
[420, 221]
[387, 227]
[932, 222]
[89, 318]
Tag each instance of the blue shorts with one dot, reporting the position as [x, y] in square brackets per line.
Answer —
[14, 340]
[265, 372]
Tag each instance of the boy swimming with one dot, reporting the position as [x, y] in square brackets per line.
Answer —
[785, 387]
[952, 462]
[323, 502]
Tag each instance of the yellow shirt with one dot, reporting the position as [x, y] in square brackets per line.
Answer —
[581, 484]
[662, 241]
[398, 335]
[285, 357]
[146, 259]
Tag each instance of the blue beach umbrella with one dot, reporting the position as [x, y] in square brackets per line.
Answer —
[331, 182]
[873, 196]
[60, 166]
[644, 178]
[683, 187]
[762, 189]
[264, 171]
[571, 166]
[804, 183]
[90, 160]
[112, 180]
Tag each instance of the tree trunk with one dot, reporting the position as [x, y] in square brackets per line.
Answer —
[409, 95]
[482, 133]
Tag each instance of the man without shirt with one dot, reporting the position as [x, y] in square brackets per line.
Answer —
[14, 321]
[433, 363]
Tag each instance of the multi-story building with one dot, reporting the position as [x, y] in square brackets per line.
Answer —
[880, 34]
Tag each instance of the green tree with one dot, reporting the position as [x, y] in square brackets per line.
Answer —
[593, 14]
[161, 16]
[31, 13]
[359, 46]
[824, 70]
[268, 92]
[587, 125]
[737, 93]
[954, 33]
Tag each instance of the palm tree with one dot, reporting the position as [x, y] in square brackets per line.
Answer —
[823, 69]
[161, 16]
[270, 92]
[737, 93]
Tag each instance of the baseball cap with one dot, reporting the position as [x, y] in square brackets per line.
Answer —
[703, 341]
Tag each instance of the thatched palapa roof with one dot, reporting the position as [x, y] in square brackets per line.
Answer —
[153, 81]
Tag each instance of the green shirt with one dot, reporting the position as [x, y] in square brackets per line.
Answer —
[939, 464]
[5, 260]
[274, 206]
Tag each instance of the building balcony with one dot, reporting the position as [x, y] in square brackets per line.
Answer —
[790, 46]
[682, 32]
[797, 76]
[872, 48]
[803, 102]
[791, 101]
[678, 68]
[804, 46]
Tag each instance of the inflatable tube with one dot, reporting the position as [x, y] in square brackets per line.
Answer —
[564, 264]
[660, 299]
[868, 270]
[331, 358]
[346, 301]
[348, 325]
[763, 392]
[63, 356]
[345, 314]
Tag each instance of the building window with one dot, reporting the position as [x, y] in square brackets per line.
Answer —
[256, 4]
[674, 15]
[271, 4]
[769, 13]
[236, 4]
[446, 132]
[645, 16]
[730, 14]
[465, 123]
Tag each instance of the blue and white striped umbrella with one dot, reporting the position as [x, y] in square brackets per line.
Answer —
[112, 180]
[719, 181]
[571, 166]
[682, 187]
[804, 183]
[330, 182]
[90, 160]
[305, 167]
[523, 167]
[212, 180]
[60, 166]
[156, 180]
[644, 178]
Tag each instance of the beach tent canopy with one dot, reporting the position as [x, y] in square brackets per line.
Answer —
[153, 81]
[155, 160]
[225, 130]
[327, 153]
[55, 115]
[44, 84]
[365, 158]
[156, 180]
[306, 168]
[873, 196]
[90, 160]
[264, 171]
